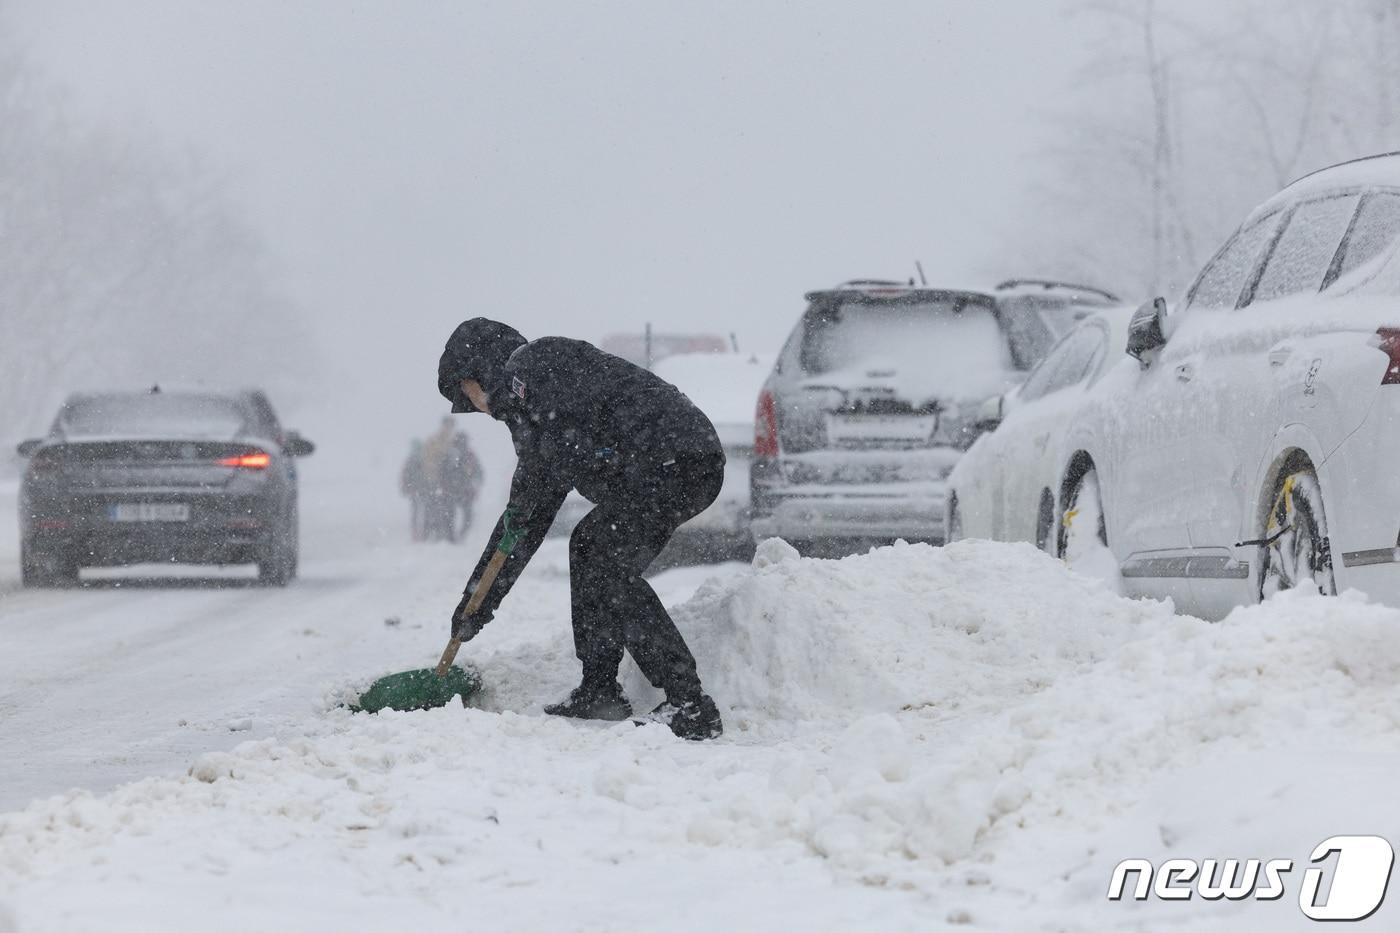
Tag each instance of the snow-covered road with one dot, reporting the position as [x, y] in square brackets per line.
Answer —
[145, 669]
[918, 738]
[134, 676]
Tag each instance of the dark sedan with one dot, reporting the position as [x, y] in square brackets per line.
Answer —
[170, 477]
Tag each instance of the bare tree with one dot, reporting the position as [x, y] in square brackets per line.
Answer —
[120, 266]
[1192, 114]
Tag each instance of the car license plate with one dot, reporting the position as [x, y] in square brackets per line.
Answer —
[912, 429]
[149, 512]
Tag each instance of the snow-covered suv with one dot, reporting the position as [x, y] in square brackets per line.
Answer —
[875, 396]
[1253, 444]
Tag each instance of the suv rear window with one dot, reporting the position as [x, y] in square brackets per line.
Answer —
[152, 415]
[951, 347]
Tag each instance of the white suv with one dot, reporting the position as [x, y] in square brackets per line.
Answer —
[1252, 445]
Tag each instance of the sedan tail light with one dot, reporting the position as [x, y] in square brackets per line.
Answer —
[1388, 341]
[253, 460]
[765, 427]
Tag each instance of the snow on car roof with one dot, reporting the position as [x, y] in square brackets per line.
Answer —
[1056, 288]
[880, 288]
[1369, 172]
[1049, 287]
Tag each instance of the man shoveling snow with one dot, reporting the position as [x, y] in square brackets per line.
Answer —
[632, 444]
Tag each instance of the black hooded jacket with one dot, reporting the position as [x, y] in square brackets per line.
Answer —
[579, 419]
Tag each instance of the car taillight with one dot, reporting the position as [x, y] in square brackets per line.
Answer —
[255, 460]
[1388, 341]
[765, 426]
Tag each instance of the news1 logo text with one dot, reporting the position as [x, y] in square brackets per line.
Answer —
[1347, 880]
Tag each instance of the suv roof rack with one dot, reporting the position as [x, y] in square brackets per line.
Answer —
[1052, 284]
[891, 287]
[876, 283]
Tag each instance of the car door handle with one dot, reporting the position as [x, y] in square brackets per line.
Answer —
[1184, 372]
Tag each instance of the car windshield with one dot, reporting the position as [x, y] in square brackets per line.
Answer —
[151, 415]
[949, 347]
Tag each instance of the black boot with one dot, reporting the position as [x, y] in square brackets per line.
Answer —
[594, 701]
[694, 718]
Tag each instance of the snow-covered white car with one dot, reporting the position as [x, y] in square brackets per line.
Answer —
[1254, 447]
[1003, 489]
[876, 395]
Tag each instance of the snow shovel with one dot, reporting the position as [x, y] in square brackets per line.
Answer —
[429, 689]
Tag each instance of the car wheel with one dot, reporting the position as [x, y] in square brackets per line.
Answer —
[1296, 552]
[1045, 521]
[1082, 542]
[38, 569]
[278, 565]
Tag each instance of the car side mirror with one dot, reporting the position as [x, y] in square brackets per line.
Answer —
[1146, 333]
[27, 448]
[297, 446]
[990, 413]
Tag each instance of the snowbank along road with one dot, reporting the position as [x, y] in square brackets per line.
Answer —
[918, 738]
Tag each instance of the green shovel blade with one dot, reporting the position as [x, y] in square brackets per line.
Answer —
[421, 689]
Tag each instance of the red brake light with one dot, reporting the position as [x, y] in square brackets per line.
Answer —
[1388, 340]
[765, 427]
[257, 460]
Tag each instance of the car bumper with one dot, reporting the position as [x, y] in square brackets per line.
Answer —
[219, 530]
[1380, 581]
[913, 511]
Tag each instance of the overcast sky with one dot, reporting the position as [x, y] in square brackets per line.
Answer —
[580, 168]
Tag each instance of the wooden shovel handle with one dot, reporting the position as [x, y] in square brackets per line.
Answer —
[483, 586]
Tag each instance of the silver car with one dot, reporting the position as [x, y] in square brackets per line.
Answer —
[878, 392]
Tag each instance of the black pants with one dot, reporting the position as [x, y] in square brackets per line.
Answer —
[613, 606]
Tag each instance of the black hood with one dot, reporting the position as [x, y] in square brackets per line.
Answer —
[478, 349]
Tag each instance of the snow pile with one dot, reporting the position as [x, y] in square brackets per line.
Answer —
[901, 628]
[980, 686]
[972, 733]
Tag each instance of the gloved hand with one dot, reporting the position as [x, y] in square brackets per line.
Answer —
[467, 628]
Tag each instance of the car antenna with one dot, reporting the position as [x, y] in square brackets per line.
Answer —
[920, 266]
[155, 389]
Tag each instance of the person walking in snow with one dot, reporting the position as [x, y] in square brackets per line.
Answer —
[413, 483]
[437, 464]
[463, 481]
[632, 444]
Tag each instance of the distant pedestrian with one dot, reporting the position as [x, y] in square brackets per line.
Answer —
[437, 464]
[463, 481]
[413, 483]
